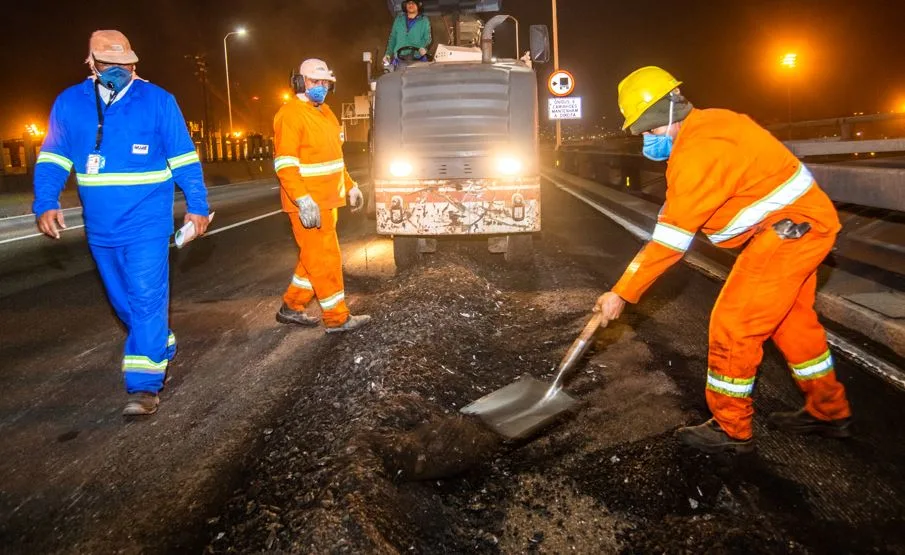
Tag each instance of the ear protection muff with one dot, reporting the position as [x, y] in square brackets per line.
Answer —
[296, 82]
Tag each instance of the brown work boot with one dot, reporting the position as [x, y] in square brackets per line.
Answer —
[143, 403]
[353, 323]
[288, 316]
[710, 438]
[803, 422]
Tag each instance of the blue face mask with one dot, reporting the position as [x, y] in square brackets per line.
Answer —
[317, 94]
[657, 147]
[115, 78]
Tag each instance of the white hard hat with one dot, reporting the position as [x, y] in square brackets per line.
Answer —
[316, 69]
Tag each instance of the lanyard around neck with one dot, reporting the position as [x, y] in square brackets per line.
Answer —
[100, 114]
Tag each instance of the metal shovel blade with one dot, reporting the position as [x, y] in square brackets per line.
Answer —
[521, 408]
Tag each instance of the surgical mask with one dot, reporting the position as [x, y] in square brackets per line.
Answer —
[658, 147]
[115, 78]
[317, 94]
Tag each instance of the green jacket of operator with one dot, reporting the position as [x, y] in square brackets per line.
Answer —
[410, 28]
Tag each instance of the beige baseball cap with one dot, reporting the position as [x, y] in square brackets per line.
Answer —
[111, 47]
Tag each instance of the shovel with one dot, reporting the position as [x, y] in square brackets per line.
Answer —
[518, 409]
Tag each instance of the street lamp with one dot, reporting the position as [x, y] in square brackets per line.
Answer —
[241, 32]
[789, 61]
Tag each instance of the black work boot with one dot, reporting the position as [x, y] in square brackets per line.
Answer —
[710, 438]
[803, 422]
[288, 316]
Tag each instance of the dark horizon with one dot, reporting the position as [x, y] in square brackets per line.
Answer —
[727, 54]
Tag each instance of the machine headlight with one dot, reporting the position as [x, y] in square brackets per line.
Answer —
[400, 168]
[508, 165]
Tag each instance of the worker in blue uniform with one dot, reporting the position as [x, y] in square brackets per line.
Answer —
[127, 142]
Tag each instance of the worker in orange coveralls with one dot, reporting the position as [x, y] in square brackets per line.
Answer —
[730, 179]
[313, 178]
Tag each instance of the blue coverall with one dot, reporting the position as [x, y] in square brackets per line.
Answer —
[127, 193]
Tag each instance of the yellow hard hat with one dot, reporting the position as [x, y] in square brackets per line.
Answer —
[641, 90]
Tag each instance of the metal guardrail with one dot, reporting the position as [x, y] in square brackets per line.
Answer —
[882, 188]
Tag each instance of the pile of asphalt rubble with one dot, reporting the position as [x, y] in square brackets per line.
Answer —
[373, 457]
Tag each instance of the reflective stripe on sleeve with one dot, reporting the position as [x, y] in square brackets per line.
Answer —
[183, 160]
[813, 369]
[281, 162]
[672, 237]
[732, 387]
[51, 158]
[779, 198]
[138, 178]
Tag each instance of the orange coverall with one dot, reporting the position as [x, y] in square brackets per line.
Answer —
[308, 159]
[732, 180]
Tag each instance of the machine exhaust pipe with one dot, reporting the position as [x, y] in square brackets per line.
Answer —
[487, 36]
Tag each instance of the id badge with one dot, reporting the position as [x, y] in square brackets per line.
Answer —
[94, 165]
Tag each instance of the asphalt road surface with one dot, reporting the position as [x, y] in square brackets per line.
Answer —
[76, 477]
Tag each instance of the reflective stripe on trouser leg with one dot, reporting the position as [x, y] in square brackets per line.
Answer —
[300, 290]
[171, 345]
[802, 341]
[145, 269]
[758, 294]
[322, 260]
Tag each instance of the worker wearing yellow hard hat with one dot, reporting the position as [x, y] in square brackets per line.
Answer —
[730, 179]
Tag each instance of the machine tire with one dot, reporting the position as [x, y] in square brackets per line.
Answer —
[406, 252]
[520, 249]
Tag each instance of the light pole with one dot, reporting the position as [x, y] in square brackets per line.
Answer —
[556, 68]
[229, 102]
[789, 61]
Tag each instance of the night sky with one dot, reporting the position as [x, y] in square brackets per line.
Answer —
[851, 52]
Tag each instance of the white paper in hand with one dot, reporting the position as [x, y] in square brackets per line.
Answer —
[187, 232]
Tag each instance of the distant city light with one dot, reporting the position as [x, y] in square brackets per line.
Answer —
[33, 130]
[789, 60]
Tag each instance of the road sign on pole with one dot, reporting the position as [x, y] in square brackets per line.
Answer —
[564, 108]
[561, 83]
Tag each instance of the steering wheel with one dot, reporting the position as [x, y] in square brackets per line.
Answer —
[408, 54]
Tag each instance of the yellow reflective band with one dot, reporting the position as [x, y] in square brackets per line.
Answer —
[332, 301]
[813, 369]
[673, 237]
[732, 387]
[779, 198]
[138, 178]
[171, 340]
[281, 162]
[304, 283]
[183, 160]
[325, 168]
[51, 158]
[143, 365]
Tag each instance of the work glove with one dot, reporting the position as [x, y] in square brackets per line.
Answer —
[356, 199]
[386, 60]
[309, 212]
[422, 51]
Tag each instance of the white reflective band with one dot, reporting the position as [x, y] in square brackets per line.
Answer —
[779, 198]
[814, 368]
[304, 283]
[326, 168]
[183, 160]
[729, 386]
[140, 178]
[50, 157]
[332, 300]
[144, 365]
[281, 162]
[672, 237]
